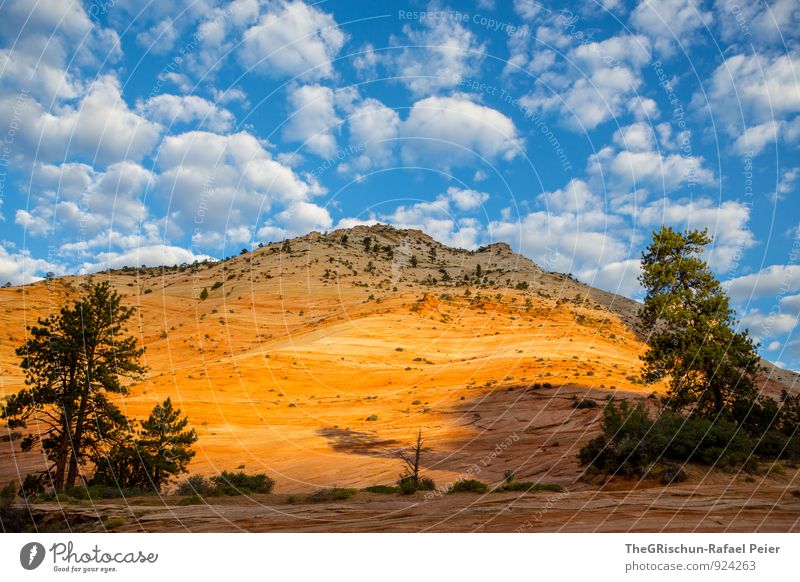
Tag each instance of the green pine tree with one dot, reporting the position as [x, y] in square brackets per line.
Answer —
[692, 338]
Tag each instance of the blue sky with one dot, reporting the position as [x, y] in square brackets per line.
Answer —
[176, 130]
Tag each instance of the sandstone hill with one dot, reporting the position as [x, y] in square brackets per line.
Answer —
[313, 359]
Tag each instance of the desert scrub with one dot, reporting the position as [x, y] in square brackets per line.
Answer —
[468, 485]
[382, 489]
[331, 494]
[240, 483]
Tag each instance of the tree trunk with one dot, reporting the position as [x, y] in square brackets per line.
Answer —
[76, 441]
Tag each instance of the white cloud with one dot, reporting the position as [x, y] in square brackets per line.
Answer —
[759, 89]
[786, 183]
[764, 24]
[312, 119]
[216, 182]
[727, 223]
[151, 256]
[757, 137]
[445, 131]
[100, 128]
[20, 267]
[375, 127]
[763, 326]
[79, 204]
[641, 166]
[595, 84]
[527, 9]
[670, 23]
[173, 110]
[768, 282]
[438, 55]
[292, 39]
[466, 199]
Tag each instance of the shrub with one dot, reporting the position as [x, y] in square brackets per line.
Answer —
[382, 489]
[240, 483]
[195, 485]
[216, 285]
[331, 494]
[468, 485]
[32, 485]
[407, 484]
[372, 418]
[585, 403]
[530, 486]
[204, 294]
[191, 500]
[672, 473]
[632, 441]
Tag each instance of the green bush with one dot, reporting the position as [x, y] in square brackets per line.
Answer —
[585, 403]
[632, 441]
[195, 485]
[240, 483]
[382, 489]
[530, 486]
[468, 485]
[331, 494]
[408, 486]
[191, 500]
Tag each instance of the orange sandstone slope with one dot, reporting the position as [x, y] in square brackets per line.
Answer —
[314, 360]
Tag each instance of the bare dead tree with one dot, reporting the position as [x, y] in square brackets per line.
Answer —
[412, 460]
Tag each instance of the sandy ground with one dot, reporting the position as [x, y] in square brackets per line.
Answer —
[315, 367]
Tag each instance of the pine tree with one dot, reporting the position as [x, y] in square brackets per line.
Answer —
[165, 444]
[710, 367]
[73, 361]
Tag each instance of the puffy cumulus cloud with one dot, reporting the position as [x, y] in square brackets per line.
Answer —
[527, 9]
[621, 277]
[576, 197]
[292, 39]
[77, 203]
[763, 326]
[466, 199]
[670, 23]
[375, 127]
[763, 90]
[216, 37]
[727, 223]
[771, 281]
[149, 255]
[101, 128]
[216, 182]
[574, 234]
[595, 83]
[757, 137]
[20, 267]
[447, 131]
[637, 137]
[298, 219]
[157, 28]
[562, 242]
[312, 119]
[173, 110]
[765, 24]
[303, 217]
[786, 183]
[52, 43]
[637, 161]
[437, 55]
[443, 218]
